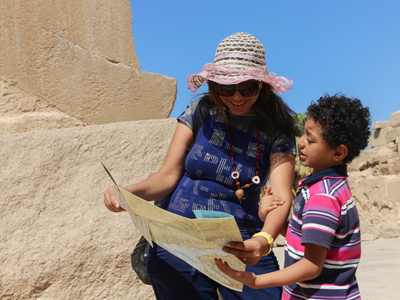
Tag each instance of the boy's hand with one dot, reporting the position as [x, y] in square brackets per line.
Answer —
[247, 278]
[268, 203]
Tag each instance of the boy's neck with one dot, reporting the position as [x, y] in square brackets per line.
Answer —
[318, 170]
[334, 171]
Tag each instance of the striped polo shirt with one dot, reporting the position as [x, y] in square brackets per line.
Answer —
[325, 214]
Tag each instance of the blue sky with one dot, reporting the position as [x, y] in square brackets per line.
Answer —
[348, 46]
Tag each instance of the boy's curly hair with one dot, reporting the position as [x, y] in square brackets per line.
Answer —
[344, 121]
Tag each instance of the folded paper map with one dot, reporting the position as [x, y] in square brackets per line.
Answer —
[196, 241]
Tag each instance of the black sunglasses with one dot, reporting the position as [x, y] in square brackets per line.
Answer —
[246, 89]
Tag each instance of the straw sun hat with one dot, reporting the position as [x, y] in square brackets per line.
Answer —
[239, 57]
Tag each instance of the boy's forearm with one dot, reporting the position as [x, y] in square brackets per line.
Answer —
[301, 271]
[307, 268]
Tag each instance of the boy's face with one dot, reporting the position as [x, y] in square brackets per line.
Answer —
[315, 152]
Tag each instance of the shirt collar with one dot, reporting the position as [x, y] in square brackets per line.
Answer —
[335, 171]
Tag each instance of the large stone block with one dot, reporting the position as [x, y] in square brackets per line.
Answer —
[57, 239]
[393, 189]
[397, 142]
[377, 139]
[380, 125]
[369, 232]
[363, 161]
[374, 198]
[383, 155]
[383, 136]
[20, 111]
[390, 230]
[392, 146]
[391, 134]
[395, 119]
[78, 57]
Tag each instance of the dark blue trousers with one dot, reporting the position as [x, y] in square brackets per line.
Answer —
[174, 279]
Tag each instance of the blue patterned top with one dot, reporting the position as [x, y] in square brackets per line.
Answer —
[207, 183]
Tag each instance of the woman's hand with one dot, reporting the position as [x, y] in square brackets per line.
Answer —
[110, 200]
[268, 203]
[250, 251]
[247, 278]
[162, 182]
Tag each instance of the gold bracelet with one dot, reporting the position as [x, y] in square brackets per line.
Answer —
[269, 239]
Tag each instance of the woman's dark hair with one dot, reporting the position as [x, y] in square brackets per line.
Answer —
[270, 108]
[344, 121]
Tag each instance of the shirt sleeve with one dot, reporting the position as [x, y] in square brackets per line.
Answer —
[321, 216]
[187, 116]
[284, 143]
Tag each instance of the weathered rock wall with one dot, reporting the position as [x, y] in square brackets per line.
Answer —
[57, 239]
[21, 111]
[374, 178]
[77, 59]
[70, 64]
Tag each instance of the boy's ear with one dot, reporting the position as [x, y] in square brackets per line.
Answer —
[340, 153]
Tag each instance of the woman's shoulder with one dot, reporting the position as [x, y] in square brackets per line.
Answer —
[200, 105]
[197, 102]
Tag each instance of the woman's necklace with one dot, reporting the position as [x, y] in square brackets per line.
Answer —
[235, 174]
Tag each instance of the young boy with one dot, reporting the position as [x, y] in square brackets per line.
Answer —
[322, 248]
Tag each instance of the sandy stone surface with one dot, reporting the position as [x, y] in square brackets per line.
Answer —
[374, 178]
[57, 239]
[78, 58]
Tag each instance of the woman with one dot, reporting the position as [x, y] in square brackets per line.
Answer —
[246, 138]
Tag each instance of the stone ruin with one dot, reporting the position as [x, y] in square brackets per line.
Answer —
[66, 68]
[374, 178]
[71, 94]
[72, 63]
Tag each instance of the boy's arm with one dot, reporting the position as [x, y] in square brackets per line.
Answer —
[309, 267]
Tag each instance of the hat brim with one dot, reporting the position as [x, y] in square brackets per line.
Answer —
[224, 75]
